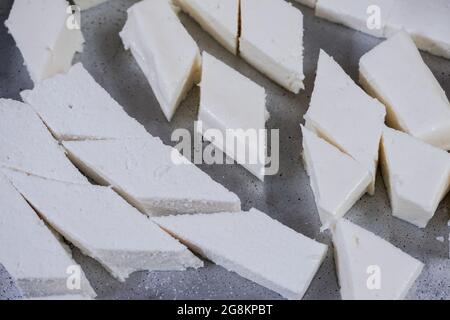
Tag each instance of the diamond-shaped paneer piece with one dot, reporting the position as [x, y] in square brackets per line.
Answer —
[344, 115]
[146, 173]
[35, 258]
[40, 29]
[238, 117]
[27, 145]
[275, 49]
[220, 18]
[370, 268]
[103, 226]
[164, 50]
[254, 246]
[337, 180]
[395, 72]
[75, 107]
[417, 176]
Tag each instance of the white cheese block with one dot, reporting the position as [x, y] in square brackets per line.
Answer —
[344, 115]
[164, 50]
[220, 18]
[416, 174]
[337, 180]
[103, 226]
[75, 107]
[395, 73]
[356, 14]
[370, 268]
[275, 49]
[253, 245]
[32, 255]
[224, 107]
[144, 173]
[27, 145]
[309, 3]
[428, 23]
[40, 29]
[87, 4]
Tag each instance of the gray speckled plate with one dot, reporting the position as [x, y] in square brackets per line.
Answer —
[286, 196]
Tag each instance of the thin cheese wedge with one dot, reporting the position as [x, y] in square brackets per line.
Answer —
[87, 4]
[370, 268]
[275, 49]
[103, 226]
[164, 50]
[27, 145]
[220, 18]
[344, 115]
[40, 29]
[223, 107]
[36, 260]
[144, 173]
[395, 73]
[254, 246]
[337, 180]
[416, 175]
[75, 107]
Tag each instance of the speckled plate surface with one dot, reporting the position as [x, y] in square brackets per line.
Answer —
[286, 197]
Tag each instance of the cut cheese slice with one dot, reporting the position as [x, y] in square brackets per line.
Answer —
[103, 226]
[344, 115]
[337, 180]
[32, 255]
[254, 246]
[370, 268]
[144, 173]
[368, 16]
[220, 18]
[416, 174]
[239, 117]
[87, 4]
[40, 29]
[275, 49]
[164, 50]
[27, 145]
[395, 73]
[75, 107]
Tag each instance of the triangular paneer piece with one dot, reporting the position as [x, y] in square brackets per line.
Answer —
[143, 171]
[164, 50]
[275, 49]
[75, 107]
[417, 176]
[36, 260]
[220, 18]
[103, 226]
[27, 145]
[253, 245]
[370, 268]
[337, 180]
[240, 118]
[344, 115]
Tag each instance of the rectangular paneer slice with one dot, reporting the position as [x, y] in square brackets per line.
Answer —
[103, 226]
[395, 73]
[154, 177]
[236, 106]
[75, 107]
[254, 246]
[220, 18]
[337, 180]
[30, 252]
[275, 49]
[87, 4]
[40, 30]
[416, 174]
[27, 145]
[344, 115]
[164, 50]
[370, 268]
